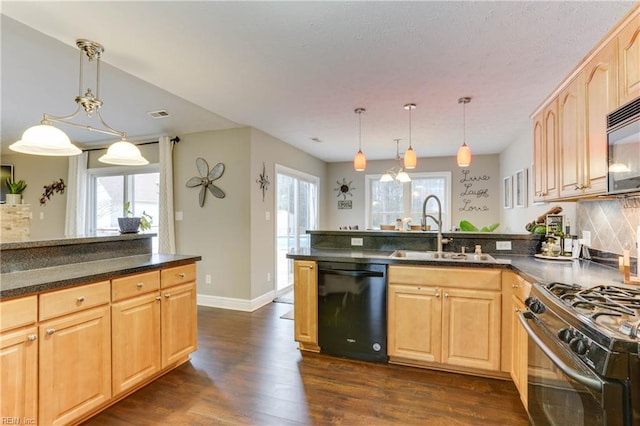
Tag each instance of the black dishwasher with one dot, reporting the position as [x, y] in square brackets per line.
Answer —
[352, 306]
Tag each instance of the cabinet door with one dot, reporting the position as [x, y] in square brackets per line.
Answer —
[414, 320]
[19, 374]
[544, 155]
[75, 365]
[629, 60]
[571, 134]
[519, 357]
[305, 310]
[179, 323]
[471, 328]
[135, 325]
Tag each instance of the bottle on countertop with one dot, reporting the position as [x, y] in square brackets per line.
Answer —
[568, 240]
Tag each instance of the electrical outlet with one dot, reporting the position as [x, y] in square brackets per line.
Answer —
[586, 236]
[267, 215]
[207, 279]
[503, 245]
[268, 277]
[357, 242]
[179, 216]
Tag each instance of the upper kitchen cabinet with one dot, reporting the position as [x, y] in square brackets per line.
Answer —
[583, 108]
[629, 60]
[545, 138]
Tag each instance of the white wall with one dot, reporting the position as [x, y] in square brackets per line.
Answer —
[519, 155]
[481, 210]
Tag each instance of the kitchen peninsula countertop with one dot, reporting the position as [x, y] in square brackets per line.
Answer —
[582, 272]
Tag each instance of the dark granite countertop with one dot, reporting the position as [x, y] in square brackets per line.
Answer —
[31, 281]
[22, 243]
[582, 272]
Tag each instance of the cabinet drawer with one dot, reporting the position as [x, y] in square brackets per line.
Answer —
[18, 312]
[74, 299]
[178, 275]
[133, 285]
[521, 288]
[471, 278]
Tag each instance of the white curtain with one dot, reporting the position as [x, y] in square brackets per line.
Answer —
[75, 220]
[167, 237]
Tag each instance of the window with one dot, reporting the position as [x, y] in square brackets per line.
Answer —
[388, 201]
[111, 187]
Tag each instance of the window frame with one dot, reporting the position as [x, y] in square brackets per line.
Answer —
[97, 172]
[406, 201]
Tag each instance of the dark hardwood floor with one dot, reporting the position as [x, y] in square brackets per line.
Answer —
[247, 371]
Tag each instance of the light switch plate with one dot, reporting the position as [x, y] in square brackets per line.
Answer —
[503, 245]
[179, 216]
[356, 242]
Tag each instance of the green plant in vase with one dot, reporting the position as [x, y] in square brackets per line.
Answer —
[15, 191]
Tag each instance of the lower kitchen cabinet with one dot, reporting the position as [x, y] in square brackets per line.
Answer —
[136, 340]
[75, 365]
[19, 359]
[448, 316]
[305, 291]
[179, 323]
[519, 337]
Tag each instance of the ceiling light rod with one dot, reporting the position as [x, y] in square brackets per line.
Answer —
[464, 101]
[410, 107]
[89, 102]
[463, 157]
[410, 157]
[359, 161]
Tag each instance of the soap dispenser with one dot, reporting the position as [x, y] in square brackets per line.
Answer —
[478, 251]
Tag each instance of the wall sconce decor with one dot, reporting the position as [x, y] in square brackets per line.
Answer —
[206, 179]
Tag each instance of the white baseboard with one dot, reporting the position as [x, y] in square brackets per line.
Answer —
[235, 304]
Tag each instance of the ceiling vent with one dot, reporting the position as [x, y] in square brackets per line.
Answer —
[159, 114]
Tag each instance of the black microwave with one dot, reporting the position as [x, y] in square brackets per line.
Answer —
[623, 137]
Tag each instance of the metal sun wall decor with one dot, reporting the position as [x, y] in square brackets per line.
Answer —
[206, 179]
[344, 188]
[263, 181]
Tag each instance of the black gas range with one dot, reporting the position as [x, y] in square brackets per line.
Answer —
[584, 354]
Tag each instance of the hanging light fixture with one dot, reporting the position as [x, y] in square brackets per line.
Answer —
[410, 157]
[464, 153]
[360, 161]
[396, 173]
[44, 139]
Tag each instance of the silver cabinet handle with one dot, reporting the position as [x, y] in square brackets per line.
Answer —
[80, 299]
[32, 337]
[437, 294]
[514, 286]
[50, 331]
[140, 285]
[167, 295]
[446, 295]
[158, 298]
[181, 275]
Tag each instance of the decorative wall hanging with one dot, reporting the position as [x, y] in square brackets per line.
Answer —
[49, 190]
[206, 178]
[344, 188]
[263, 181]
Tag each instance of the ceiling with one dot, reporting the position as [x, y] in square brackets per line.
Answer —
[297, 70]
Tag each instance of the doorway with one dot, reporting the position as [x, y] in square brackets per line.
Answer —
[297, 212]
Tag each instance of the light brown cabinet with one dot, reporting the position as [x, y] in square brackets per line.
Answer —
[545, 164]
[450, 316]
[179, 323]
[75, 365]
[19, 359]
[305, 292]
[583, 107]
[628, 41]
[519, 337]
[135, 322]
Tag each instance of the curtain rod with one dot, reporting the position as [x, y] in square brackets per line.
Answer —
[173, 140]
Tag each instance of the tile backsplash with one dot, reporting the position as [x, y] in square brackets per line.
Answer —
[613, 223]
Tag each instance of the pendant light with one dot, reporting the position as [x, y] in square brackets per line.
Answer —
[45, 139]
[410, 157]
[360, 161]
[464, 153]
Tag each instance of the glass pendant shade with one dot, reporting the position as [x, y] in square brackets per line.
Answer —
[44, 139]
[123, 153]
[410, 159]
[464, 156]
[403, 177]
[386, 178]
[360, 161]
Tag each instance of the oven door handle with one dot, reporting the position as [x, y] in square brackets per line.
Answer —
[351, 273]
[593, 384]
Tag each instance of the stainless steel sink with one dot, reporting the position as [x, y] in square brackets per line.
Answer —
[442, 256]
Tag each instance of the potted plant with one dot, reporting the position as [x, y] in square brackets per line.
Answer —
[15, 191]
[132, 224]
